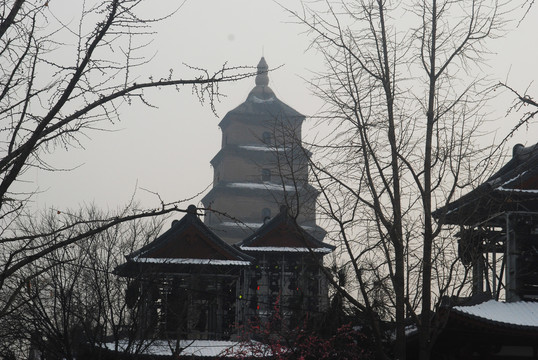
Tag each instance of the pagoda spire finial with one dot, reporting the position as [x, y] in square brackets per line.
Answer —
[261, 78]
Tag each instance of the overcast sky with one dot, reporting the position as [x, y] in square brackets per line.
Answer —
[167, 150]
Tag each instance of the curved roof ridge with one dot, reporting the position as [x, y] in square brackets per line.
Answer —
[178, 226]
[283, 219]
[520, 313]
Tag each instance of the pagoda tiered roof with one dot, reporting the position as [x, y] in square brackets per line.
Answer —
[261, 103]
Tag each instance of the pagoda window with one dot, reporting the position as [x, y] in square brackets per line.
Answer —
[266, 214]
[266, 175]
[266, 138]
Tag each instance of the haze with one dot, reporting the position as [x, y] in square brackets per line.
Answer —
[167, 150]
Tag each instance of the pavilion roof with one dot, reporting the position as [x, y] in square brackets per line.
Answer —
[521, 314]
[188, 242]
[283, 234]
[513, 188]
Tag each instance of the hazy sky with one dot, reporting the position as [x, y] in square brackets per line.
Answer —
[167, 150]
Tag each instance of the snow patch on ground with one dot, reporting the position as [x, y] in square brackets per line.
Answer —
[200, 348]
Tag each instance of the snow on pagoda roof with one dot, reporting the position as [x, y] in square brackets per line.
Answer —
[264, 185]
[181, 261]
[261, 101]
[254, 225]
[198, 348]
[241, 224]
[261, 148]
[521, 313]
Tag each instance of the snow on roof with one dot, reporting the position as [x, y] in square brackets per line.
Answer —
[264, 185]
[261, 101]
[410, 329]
[241, 224]
[529, 191]
[284, 249]
[512, 179]
[200, 348]
[521, 313]
[260, 148]
[254, 225]
[503, 188]
[188, 261]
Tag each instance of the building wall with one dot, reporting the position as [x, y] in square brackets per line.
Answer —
[188, 306]
[290, 284]
[250, 208]
[259, 129]
[279, 287]
[259, 166]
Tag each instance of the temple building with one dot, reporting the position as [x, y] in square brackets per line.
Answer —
[258, 253]
[190, 284]
[287, 273]
[185, 283]
[261, 165]
[498, 242]
[498, 224]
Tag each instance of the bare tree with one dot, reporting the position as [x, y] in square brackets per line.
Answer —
[403, 93]
[72, 304]
[58, 82]
[523, 104]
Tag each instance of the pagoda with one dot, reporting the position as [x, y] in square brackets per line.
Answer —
[261, 165]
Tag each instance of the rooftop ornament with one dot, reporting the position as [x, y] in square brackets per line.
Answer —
[262, 92]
